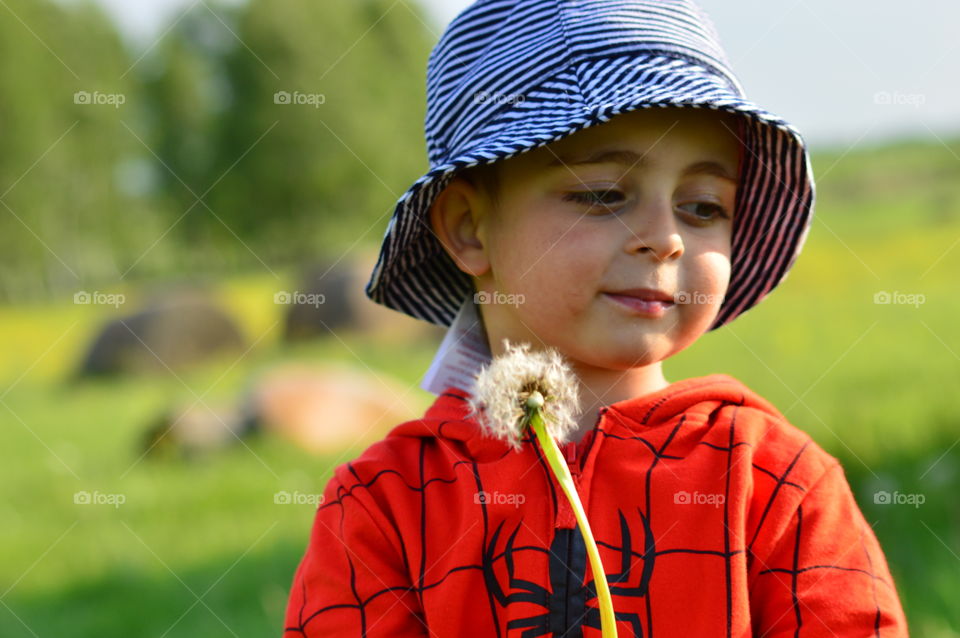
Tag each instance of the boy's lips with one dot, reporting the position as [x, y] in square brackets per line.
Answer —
[646, 294]
[646, 301]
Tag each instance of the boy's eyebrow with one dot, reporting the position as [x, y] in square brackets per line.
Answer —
[630, 159]
[609, 156]
[709, 167]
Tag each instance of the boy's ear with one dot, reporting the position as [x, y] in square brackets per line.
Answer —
[458, 216]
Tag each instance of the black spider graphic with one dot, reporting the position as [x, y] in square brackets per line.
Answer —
[566, 611]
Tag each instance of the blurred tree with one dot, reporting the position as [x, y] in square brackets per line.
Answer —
[66, 219]
[324, 128]
[184, 84]
[263, 131]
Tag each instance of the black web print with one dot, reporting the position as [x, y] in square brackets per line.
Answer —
[565, 601]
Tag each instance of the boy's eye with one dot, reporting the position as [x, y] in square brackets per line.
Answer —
[704, 211]
[592, 198]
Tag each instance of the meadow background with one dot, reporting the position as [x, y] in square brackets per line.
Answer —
[201, 176]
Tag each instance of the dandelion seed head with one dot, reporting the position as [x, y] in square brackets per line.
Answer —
[502, 387]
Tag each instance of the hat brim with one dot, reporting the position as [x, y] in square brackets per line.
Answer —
[775, 197]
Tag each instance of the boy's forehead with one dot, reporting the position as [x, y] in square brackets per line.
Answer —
[640, 132]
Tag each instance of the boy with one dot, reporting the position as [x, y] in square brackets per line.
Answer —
[599, 185]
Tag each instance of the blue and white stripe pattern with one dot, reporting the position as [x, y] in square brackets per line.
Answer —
[512, 75]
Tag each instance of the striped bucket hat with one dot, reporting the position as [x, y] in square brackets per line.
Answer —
[509, 76]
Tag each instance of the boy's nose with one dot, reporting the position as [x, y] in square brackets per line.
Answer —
[653, 230]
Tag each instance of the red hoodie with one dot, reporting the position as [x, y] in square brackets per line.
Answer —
[713, 515]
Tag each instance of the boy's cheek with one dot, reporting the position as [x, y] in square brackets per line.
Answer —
[538, 251]
[711, 277]
[569, 267]
[718, 267]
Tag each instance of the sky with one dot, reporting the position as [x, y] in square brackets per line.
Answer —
[847, 73]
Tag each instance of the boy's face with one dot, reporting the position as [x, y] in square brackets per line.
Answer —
[642, 201]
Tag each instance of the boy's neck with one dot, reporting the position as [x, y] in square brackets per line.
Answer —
[601, 386]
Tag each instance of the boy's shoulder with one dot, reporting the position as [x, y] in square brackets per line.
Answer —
[714, 410]
[736, 415]
[713, 430]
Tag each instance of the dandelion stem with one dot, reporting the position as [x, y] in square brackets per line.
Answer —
[551, 450]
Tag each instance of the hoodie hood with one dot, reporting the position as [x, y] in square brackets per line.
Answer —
[446, 419]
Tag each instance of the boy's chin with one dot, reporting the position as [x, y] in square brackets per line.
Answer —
[624, 356]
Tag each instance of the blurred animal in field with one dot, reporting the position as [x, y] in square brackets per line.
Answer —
[190, 430]
[323, 409]
[169, 333]
[330, 298]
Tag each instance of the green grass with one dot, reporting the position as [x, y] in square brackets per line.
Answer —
[876, 385]
[107, 570]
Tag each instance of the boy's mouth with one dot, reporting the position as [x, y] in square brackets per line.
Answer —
[646, 301]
